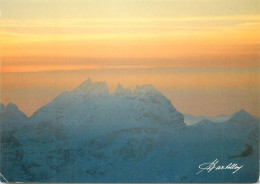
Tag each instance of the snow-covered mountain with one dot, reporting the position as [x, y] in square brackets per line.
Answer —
[191, 120]
[89, 135]
[91, 105]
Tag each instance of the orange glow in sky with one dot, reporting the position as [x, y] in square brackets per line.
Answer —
[214, 37]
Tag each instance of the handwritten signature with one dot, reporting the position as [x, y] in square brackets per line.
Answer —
[210, 166]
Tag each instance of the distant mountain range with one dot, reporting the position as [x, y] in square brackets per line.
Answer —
[89, 135]
[191, 120]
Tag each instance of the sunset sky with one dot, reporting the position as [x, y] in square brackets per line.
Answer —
[202, 54]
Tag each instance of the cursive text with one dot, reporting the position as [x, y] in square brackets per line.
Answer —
[210, 166]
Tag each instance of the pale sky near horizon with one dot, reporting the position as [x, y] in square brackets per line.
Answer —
[202, 54]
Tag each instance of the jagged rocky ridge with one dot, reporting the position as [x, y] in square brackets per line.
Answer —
[89, 135]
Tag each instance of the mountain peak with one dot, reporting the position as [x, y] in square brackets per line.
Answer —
[119, 86]
[242, 115]
[147, 89]
[11, 112]
[11, 106]
[242, 112]
[88, 87]
[121, 90]
[2, 106]
[85, 84]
